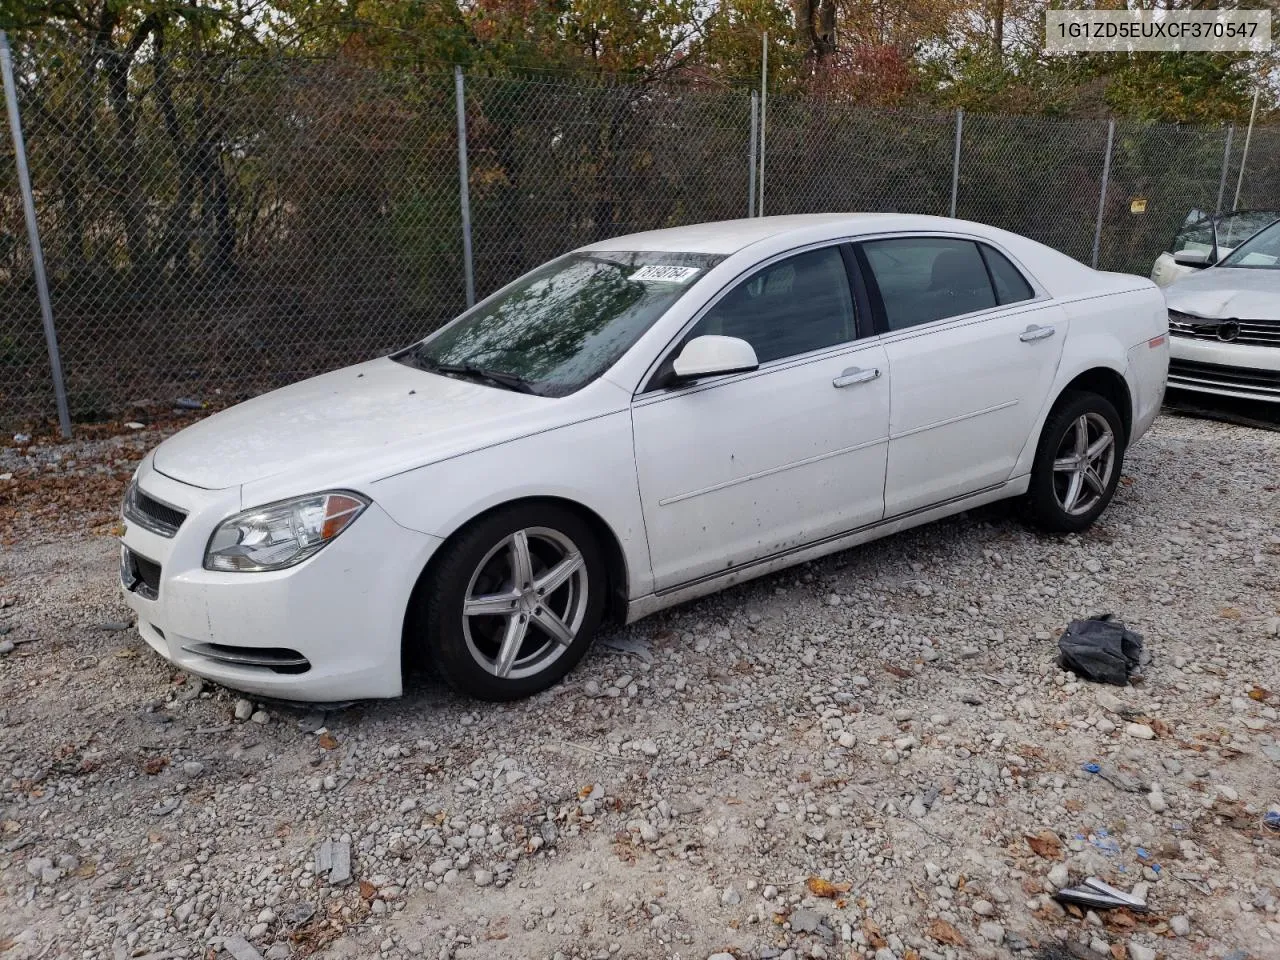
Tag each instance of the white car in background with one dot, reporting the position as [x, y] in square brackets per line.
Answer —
[1204, 239]
[642, 421]
[1225, 323]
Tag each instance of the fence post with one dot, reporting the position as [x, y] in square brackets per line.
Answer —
[33, 232]
[751, 160]
[1102, 193]
[464, 186]
[955, 161]
[1244, 155]
[764, 99]
[1226, 162]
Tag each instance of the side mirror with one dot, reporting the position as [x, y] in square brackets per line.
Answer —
[711, 356]
[1192, 258]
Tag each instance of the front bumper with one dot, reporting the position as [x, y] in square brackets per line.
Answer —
[1226, 369]
[328, 629]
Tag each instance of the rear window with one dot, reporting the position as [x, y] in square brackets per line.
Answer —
[1011, 286]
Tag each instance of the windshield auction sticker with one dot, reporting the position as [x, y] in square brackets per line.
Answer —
[1121, 31]
[660, 273]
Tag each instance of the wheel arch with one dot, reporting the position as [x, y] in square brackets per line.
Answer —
[1107, 383]
[615, 563]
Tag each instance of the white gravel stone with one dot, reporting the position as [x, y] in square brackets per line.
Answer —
[1139, 730]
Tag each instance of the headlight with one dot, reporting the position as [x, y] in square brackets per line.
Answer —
[281, 534]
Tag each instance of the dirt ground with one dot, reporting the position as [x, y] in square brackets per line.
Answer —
[873, 755]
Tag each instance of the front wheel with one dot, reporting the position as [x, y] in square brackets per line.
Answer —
[514, 601]
[1078, 463]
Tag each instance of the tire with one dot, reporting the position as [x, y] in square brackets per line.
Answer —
[1068, 497]
[495, 639]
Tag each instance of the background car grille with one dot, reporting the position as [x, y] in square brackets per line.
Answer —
[1188, 373]
[152, 514]
[1258, 333]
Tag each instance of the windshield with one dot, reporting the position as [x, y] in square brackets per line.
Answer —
[561, 326]
[1233, 228]
[1259, 252]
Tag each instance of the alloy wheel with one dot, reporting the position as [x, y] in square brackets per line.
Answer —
[525, 603]
[1084, 463]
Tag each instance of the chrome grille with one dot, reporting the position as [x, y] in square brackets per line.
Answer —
[1213, 376]
[149, 513]
[1257, 333]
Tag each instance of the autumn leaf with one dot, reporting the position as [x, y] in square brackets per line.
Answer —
[1046, 844]
[945, 932]
[1229, 613]
[871, 930]
[155, 764]
[825, 888]
[1259, 693]
[328, 741]
[367, 890]
[897, 671]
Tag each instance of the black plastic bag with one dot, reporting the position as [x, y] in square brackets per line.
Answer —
[1100, 649]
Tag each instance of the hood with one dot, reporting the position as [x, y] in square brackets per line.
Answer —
[1227, 293]
[376, 417]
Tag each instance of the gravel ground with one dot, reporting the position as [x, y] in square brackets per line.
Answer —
[871, 755]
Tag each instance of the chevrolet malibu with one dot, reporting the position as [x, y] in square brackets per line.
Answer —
[639, 422]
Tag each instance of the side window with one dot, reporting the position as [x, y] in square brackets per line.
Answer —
[1197, 237]
[1011, 285]
[922, 279]
[790, 307]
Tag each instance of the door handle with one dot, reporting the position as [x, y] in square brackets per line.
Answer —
[1035, 333]
[855, 375]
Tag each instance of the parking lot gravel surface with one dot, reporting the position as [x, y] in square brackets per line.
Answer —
[873, 755]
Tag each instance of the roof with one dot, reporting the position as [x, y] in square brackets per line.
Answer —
[730, 236]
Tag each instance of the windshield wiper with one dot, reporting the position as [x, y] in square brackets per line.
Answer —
[471, 371]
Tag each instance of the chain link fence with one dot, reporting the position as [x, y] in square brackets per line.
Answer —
[215, 231]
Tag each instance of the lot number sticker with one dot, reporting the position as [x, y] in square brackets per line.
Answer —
[657, 273]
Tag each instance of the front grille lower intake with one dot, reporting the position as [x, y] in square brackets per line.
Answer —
[276, 659]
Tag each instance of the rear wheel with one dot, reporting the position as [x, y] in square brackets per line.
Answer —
[514, 601]
[1078, 463]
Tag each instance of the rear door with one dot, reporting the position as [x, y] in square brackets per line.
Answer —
[974, 350]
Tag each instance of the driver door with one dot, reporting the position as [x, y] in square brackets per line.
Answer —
[737, 468]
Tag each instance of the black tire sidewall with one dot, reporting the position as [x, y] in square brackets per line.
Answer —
[1045, 510]
[451, 575]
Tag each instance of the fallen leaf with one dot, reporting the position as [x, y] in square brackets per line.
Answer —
[155, 764]
[1046, 844]
[367, 890]
[1259, 693]
[584, 792]
[945, 932]
[871, 930]
[328, 741]
[825, 888]
[897, 671]
[1161, 728]
[1229, 613]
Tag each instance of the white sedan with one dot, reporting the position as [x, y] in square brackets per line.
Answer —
[641, 421]
[1225, 323]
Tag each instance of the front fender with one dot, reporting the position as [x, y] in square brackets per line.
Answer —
[590, 463]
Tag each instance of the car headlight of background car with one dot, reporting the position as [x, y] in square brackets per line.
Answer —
[279, 535]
